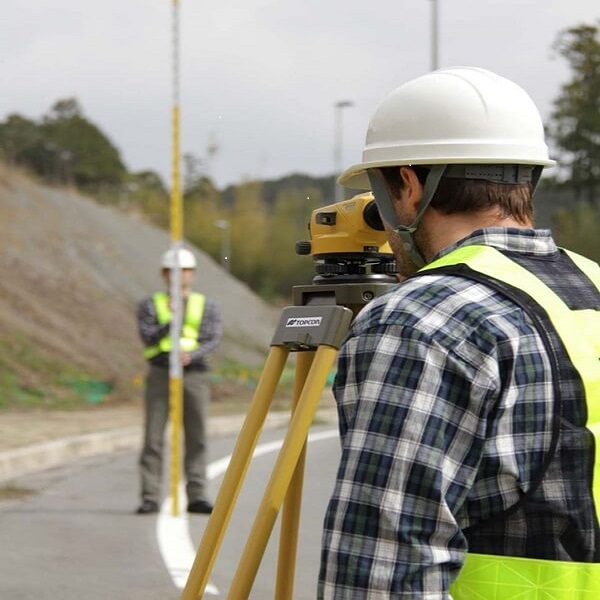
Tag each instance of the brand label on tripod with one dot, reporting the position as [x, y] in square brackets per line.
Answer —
[303, 322]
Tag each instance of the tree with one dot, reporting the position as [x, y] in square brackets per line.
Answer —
[203, 206]
[19, 137]
[577, 229]
[64, 148]
[289, 220]
[82, 152]
[575, 121]
[144, 192]
[250, 235]
[193, 172]
[23, 142]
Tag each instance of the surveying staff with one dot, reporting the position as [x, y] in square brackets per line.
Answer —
[202, 329]
[468, 395]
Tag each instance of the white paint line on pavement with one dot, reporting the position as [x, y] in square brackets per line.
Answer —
[173, 533]
[176, 547]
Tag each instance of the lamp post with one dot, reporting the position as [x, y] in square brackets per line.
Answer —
[224, 226]
[337, 151]
[434, 35]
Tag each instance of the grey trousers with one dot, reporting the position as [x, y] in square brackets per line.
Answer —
[196, 396]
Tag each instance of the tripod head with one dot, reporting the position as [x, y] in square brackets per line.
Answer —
[352, 257]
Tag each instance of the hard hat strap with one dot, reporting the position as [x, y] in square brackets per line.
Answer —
[385, 205]
[383, 198]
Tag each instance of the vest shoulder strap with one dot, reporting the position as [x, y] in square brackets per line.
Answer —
[195, 310]
[161, 305]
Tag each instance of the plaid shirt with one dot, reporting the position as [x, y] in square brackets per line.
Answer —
[445, 401]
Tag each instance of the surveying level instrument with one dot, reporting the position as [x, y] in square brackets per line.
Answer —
[353, 264]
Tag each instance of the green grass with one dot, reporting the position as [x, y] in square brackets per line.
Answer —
[12, 393]
[30, 378]
[234, 386]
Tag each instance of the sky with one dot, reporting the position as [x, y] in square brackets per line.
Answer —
[259, 79]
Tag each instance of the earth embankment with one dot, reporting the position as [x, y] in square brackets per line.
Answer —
[71, 274]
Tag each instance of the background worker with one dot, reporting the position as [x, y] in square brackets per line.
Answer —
[467, 394]
[202, 329]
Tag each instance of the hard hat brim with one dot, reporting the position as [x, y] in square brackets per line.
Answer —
[356, 178]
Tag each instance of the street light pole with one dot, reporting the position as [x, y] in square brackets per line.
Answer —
[224, 226]
[337, 151]
[434, 35]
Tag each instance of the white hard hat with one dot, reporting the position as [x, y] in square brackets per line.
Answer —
[186, 259]
[459, 115]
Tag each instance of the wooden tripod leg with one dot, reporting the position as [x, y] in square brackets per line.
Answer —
[234, 476]
[282, 473]
[290, 516]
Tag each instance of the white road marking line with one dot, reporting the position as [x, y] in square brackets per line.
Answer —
[173, 533]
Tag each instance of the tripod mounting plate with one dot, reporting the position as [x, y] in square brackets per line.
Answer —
[350, 295]
[306, 327]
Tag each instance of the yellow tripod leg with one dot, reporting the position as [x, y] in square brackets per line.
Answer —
[290, 517]
[282, 473]
[234, 476]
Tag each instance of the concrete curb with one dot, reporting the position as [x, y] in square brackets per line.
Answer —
[38, 457]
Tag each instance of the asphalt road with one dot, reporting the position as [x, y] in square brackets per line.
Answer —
[74, 535]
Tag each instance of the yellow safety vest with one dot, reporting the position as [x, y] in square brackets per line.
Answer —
[487, 577]
[192, 320]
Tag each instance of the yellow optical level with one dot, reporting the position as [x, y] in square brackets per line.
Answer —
[348, 239]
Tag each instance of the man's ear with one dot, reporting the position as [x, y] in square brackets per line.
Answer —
[412, 187]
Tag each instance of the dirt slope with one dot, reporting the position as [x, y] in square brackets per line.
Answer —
[72, 272]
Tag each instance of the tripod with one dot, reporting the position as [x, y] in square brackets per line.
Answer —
[314, 327]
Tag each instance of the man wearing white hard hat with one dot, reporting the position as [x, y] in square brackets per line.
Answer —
[202, 329]
[469, 394]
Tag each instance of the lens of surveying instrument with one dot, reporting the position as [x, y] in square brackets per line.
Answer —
[372, 217]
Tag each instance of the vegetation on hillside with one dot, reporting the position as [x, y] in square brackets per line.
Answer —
[252, 227]
[575, 130]
[262, 220]
[575, 120]
[257, 223]
[63, 148]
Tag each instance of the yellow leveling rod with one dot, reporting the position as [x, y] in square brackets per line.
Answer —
[175, 368]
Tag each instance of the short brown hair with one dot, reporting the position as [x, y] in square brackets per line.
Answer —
[473, 195]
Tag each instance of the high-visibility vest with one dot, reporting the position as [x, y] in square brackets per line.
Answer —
[483, 576]
[192, 320]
